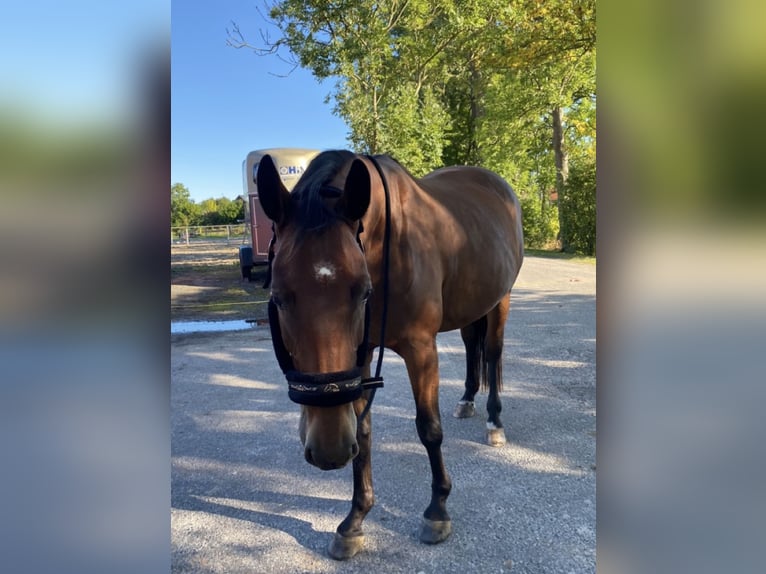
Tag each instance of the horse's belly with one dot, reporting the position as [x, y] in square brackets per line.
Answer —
[472, 299]
[480, 243]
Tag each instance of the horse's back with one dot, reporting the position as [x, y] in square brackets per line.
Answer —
[452, 184]
[481, 202]
[481, 239]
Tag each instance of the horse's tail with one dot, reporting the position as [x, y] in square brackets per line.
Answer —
[482, 329]
[482, 344]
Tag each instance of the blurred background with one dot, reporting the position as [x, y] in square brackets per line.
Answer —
[84, 212]
[84, 169]
[681, 285]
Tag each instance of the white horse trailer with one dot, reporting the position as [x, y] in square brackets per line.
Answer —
[291, 163]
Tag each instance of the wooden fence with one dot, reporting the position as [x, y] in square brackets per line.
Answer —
[200, 234]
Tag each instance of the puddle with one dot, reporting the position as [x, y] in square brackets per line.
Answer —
[209, 326]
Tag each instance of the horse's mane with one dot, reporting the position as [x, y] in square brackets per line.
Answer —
[313, 197]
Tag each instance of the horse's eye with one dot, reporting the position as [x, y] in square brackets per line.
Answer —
[367, 294]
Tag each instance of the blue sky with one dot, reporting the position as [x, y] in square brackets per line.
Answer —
[62, 62]
[79, 60]
[226, 103]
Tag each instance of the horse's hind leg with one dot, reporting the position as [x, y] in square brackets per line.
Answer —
[473, 338]
[493, 349]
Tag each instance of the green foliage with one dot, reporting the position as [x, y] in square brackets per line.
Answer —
[446, 82]
[578, 203]
[34, 152]
[580, 206]
[231, 211]
[413, 127]
[387, 58]
[221, 211]
[184, 211]
[539, 215]
[540, 222]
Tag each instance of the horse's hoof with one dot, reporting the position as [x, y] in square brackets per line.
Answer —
[464, 409]
[495, 436]
[344, 547]
[435, 531]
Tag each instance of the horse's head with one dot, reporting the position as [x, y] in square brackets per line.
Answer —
[320, 286]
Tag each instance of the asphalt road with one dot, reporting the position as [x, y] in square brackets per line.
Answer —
[244, 500]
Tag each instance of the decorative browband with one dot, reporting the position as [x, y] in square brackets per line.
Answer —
[324, 389]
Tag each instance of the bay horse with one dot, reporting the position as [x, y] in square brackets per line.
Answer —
[360, 246]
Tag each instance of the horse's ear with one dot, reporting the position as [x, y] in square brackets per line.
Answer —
[356, 192]
[272, 193]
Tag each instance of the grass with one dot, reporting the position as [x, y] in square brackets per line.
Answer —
[555, 254]
[207, 285]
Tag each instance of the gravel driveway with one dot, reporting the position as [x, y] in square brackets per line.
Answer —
[244, 500]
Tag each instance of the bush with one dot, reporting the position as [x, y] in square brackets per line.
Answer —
[539, 221]
[580, 207]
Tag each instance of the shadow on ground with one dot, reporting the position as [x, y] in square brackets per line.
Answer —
[243, 498]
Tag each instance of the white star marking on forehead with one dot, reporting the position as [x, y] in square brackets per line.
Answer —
[324, 271]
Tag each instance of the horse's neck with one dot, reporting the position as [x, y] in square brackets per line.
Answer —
[397, 192]
[400, 188]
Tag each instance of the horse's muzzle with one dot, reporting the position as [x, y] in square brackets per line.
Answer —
[332, 462]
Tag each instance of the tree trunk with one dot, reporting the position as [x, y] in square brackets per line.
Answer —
[473, 155]
[561, 159]
[376, 120]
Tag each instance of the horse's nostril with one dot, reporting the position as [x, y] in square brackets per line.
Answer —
[354, 450]
[307, 454]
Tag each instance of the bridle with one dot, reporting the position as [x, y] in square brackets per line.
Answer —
[340, 387]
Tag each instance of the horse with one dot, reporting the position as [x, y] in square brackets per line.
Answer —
[364, 255]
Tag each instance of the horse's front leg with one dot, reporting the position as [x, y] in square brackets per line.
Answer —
[423, 368]
[349, 537]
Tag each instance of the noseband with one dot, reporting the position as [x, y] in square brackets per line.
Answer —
[340, 387]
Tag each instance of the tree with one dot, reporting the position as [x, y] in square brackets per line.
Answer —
[221, 211]
[183, 210]
[231, 211]
[579, 208]
[553, 46]
[208, 212]
[534, 63]
[383, 56]
[496, 83]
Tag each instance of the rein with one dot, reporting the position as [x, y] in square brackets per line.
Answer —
[341, 387]
[377, 380]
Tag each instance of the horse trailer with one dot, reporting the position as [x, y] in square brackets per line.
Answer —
[291, 163]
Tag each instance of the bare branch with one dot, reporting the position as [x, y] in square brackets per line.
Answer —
[396, 15]
[292, 63]
[236, 39]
